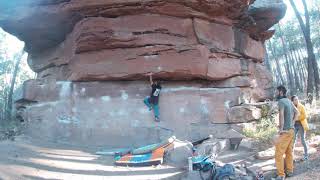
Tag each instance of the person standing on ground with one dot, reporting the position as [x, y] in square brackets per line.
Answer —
[284, 143]
[301, 125]
[152, 102]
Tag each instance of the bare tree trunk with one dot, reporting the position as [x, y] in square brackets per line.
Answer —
[292, 88]
[311, 51]
[269, 67]
[304, 63]
[13, 80]
[5, 97]
[313, 73]
[275, 74]
[294, 67]
[288, 69]
[267, 60]
[300, 64]
[299, 68]
[277, 63]
[303, 58]
[295, 71]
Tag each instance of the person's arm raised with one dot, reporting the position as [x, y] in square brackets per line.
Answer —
[150, 78]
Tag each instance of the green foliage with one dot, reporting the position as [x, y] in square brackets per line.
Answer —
[265, 129]
[4, 65]
[295, 47]
[10, 54]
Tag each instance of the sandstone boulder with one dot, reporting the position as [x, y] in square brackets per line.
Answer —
[55, 19]
[179, 153]
[262, 15]
[265, 155]
[238, 114]
[215, 36]
[212, 147]
[92, 59]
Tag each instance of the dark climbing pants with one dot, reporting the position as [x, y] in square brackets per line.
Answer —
[155, 107]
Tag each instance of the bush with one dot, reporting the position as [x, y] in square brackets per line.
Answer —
[265, 128]
[9, 129]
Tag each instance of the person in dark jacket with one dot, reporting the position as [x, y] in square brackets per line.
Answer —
[152, 101]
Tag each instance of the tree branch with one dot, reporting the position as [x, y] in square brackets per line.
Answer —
[302, 25]
[306, 12]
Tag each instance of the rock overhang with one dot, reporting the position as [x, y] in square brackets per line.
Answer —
[43, 24]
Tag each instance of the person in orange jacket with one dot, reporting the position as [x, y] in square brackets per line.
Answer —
[301, 125]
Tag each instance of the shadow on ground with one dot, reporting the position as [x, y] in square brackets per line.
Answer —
[30, 159]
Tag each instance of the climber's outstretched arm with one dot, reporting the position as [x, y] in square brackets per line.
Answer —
[150, 78]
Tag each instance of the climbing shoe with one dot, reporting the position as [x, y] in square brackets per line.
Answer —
[305, 158]
[157, 119]
[289, 174]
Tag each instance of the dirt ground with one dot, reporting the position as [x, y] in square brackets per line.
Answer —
[26, 158]
[308, 170]
[30, 159]
[312, 174]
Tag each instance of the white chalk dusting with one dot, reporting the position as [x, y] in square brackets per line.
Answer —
[65, 88]
[143, 110]
[203, 101]
[75, 120]
[135, 123]
[91, 100]
[53, 103]
[150, 57]
[254, 83]
[227, 104]
[64, 119]
[124, 95]
[67, 119]
[74, 109]
[106, 98]
[182, 110]
[83, 90]
[204, 109]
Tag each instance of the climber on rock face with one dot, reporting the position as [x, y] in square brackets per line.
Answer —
[152, 102]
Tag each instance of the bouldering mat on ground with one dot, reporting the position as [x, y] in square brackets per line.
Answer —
[152, 147]
[113, 152]
[153, 158]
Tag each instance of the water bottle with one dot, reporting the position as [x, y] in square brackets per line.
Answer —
[190, 164]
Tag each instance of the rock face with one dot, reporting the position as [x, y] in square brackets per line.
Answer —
[93, 57]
